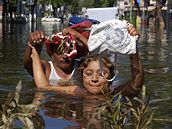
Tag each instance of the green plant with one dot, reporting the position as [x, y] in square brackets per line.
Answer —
[11, 111]
[119, 112]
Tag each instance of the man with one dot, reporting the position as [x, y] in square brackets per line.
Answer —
[62, 66]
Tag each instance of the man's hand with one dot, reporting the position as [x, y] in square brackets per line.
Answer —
[76, 34]
[36, 38]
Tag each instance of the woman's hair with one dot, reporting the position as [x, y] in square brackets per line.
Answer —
[105, 61]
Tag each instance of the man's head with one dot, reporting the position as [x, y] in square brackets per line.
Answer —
[60, 59]
[62, 49]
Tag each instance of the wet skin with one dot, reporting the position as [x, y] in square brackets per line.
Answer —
[93, 80]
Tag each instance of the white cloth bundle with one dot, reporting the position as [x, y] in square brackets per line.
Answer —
[111, 36]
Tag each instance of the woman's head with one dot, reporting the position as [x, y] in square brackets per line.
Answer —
[92, 78]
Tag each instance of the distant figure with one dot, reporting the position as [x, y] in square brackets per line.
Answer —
[86, 15]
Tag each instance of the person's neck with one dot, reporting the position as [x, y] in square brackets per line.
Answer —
[64, 73]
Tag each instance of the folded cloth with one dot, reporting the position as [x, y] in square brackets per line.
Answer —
[111, 36]
[83, 28]
[66, 44]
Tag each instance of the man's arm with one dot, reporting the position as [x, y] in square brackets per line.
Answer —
[35, 39]
[40, 78]
[82, 47]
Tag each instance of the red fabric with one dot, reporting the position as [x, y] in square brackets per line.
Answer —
[82, 28]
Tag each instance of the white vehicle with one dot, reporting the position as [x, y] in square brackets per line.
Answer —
[50, 19]
[97, 13]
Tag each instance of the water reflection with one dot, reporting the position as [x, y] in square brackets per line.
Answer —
[68, 108]
[156, 54]
[51, 27]
[1, 41]
[15, 114]
[40, 110]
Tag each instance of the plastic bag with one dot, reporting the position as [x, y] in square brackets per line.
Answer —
[111, 36]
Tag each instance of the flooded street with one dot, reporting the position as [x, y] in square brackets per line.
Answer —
[155, 47]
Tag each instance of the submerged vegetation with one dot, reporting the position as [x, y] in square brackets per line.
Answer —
[120, 112]
[11, 111]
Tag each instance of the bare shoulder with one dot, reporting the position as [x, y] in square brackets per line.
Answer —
[46, 67]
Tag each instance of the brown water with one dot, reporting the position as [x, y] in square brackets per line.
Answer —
[59, 111]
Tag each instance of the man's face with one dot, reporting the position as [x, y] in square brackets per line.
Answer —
[62, 62]
[93, 79]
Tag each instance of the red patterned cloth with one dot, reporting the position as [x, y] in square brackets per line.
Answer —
[83, 28]
[67, 43]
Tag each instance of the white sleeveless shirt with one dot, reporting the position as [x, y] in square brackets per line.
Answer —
[54, 77]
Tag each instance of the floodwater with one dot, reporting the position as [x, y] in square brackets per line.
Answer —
[66, 112]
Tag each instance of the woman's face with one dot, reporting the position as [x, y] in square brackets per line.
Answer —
[93, 80]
